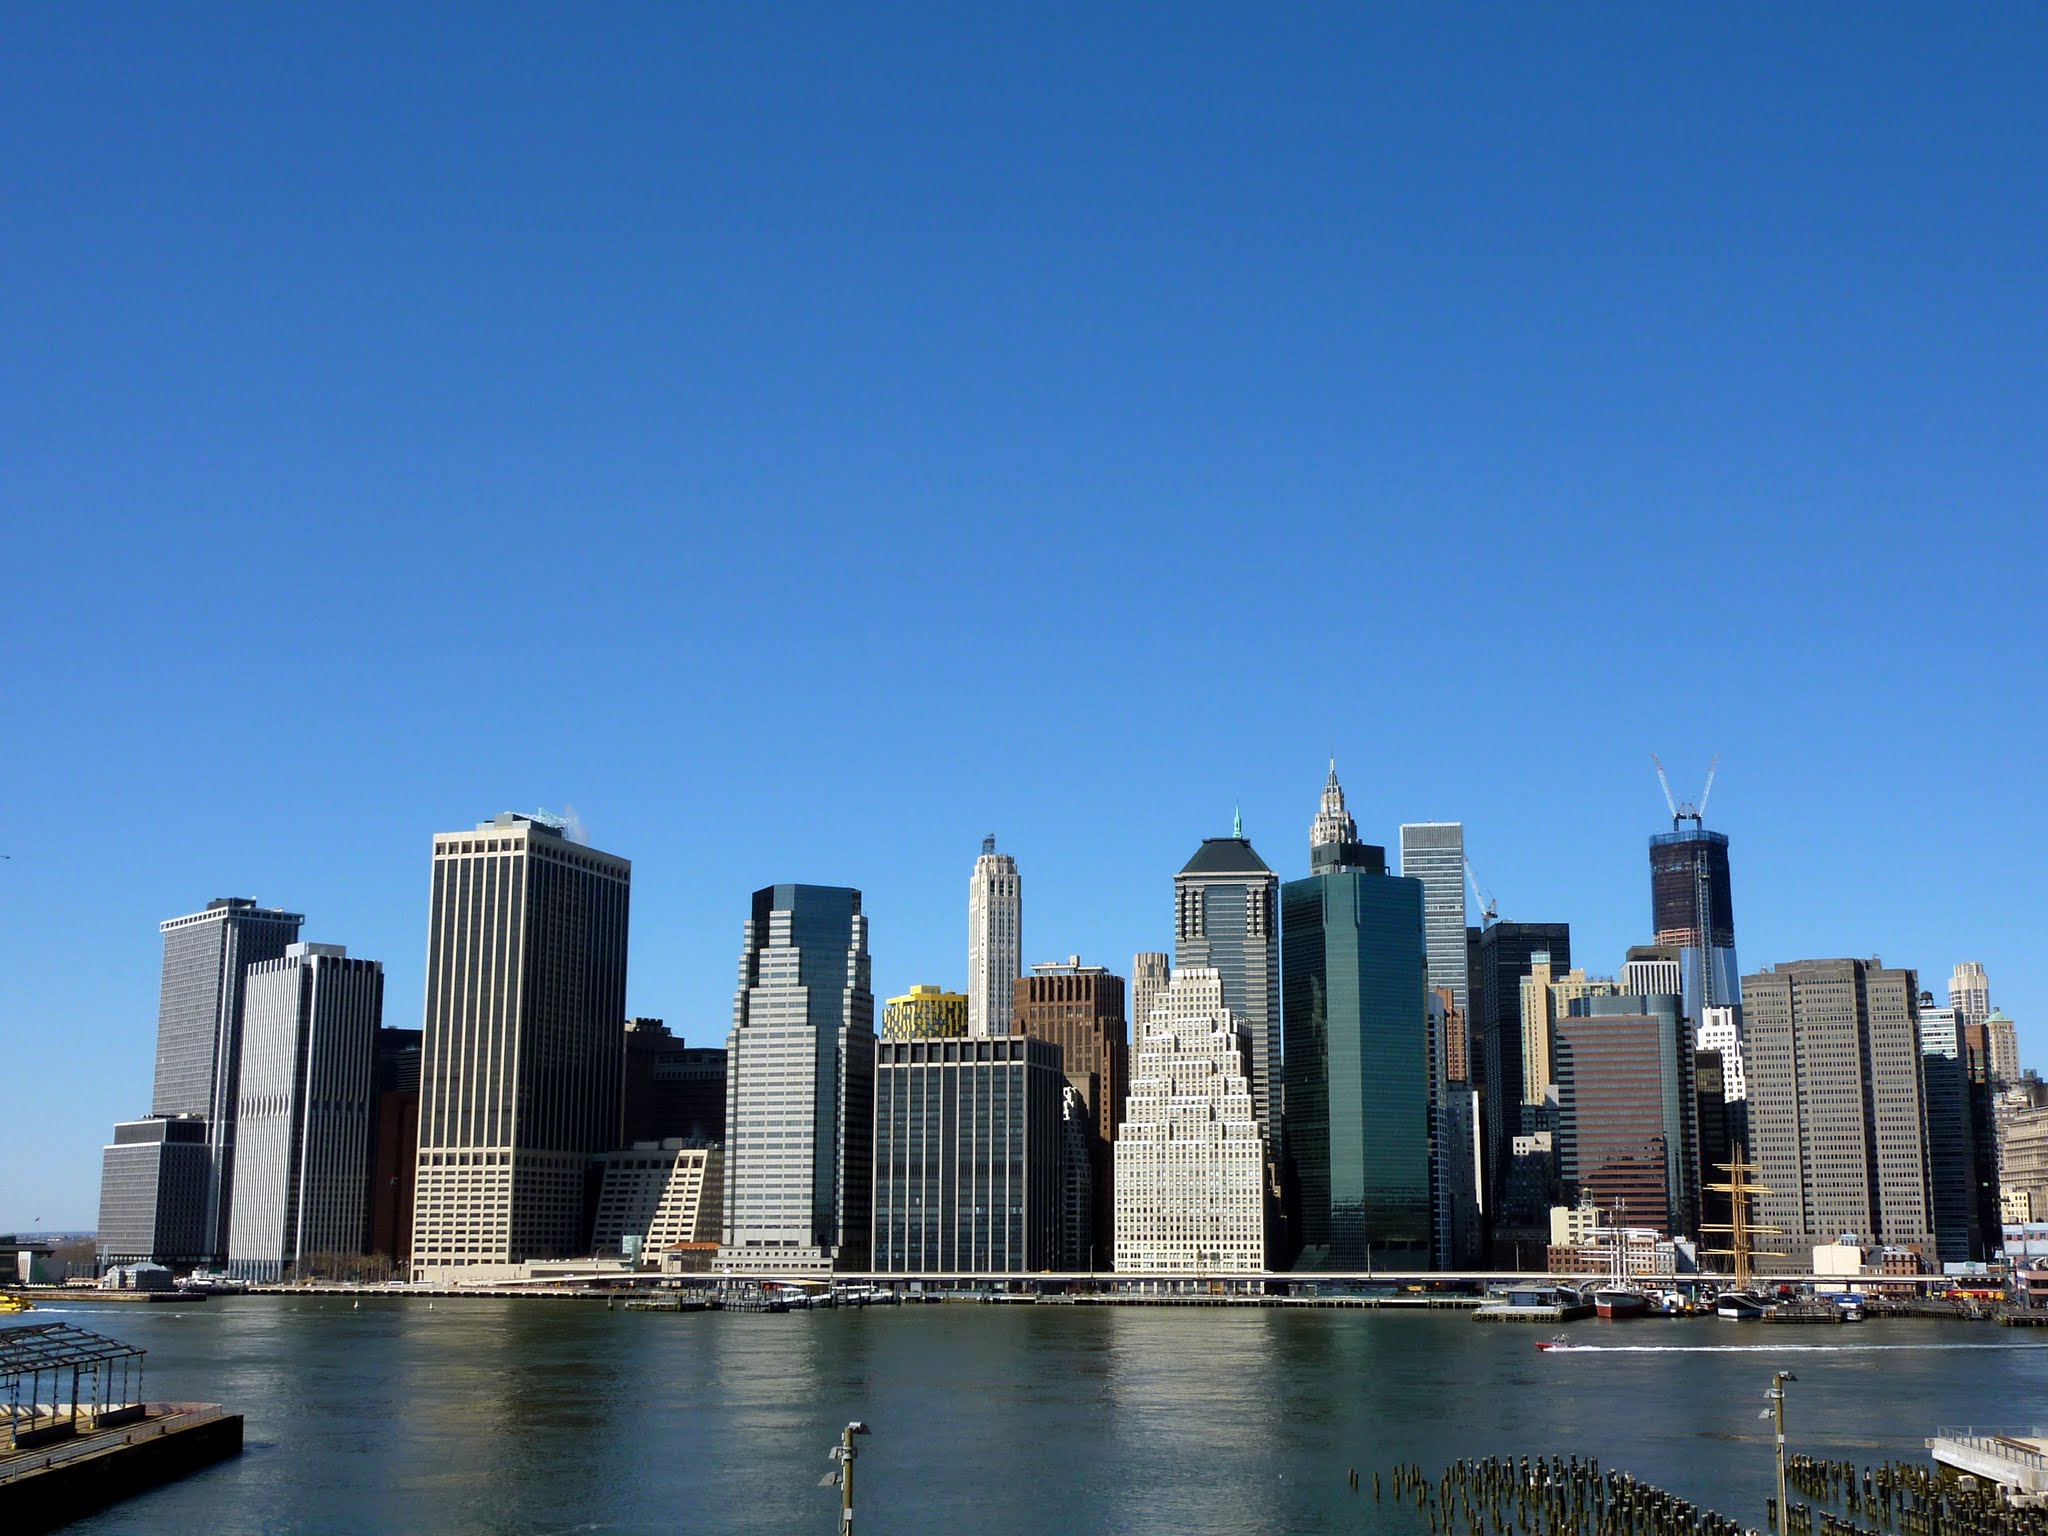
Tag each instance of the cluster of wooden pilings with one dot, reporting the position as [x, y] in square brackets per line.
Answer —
[1902, 1499]
[1539, 1496]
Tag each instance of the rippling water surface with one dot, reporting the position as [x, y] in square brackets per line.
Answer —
[533, 1416]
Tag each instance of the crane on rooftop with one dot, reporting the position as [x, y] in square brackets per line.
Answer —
[1686, 810]
[1489, 909]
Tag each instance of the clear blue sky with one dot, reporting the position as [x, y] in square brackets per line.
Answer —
[804, 439]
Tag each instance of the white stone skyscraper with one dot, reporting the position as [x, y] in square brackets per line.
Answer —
[1190, 1162]
[995, 941]
[1434, 853]
[1150, 972]
[800, 1087]
[524, 1051]
[1969, 993]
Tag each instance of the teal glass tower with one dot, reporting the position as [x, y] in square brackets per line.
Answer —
[1354, 1003]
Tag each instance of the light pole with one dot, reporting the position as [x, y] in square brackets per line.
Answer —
[1777, 1396]
[843, 1454]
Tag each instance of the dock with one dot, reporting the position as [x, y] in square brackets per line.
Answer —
[78, 1433]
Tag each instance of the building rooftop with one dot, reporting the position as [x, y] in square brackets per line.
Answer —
[1226, 856]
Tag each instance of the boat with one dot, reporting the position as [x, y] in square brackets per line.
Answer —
[1614, 1301]
[1560, 1342]
[12, 1304]
[1740, 1306]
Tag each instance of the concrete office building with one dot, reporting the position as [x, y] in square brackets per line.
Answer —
[1190, 1159]
[1837, 1112]
[1628, 1130]
[1503, 954]
[656, 1194]
[1434, 853]
[395, 1148]
[926, 1013]
[2002, 1042]
[800, 1087]
[673, 1091]
[1080, 1009]
[969, 1137]
[199, 1030]
[995, 940]
[154, 1179]
[307, 1110]
[525, 1045]
[1226, 919]
[1355, 999]
[2024, 1175]
[1150, 973]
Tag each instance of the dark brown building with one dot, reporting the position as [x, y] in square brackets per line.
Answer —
[1080, 1008]
[672, 1091]
[395, 1147]
[1628, 1122]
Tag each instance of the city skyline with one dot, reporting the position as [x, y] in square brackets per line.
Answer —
[999, 366]
[1933, 977]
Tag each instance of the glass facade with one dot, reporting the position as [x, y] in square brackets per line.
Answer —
[1355, 1001]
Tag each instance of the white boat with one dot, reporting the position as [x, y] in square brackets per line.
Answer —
[1741, 1306]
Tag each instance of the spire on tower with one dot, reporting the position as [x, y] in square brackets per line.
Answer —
[1236, 822]
[1333, 824]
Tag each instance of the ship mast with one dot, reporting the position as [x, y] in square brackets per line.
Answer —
[1742, 1226]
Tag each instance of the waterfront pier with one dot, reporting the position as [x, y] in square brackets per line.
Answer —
[79, 1433]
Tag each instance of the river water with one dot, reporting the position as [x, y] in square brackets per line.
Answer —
[544, 1417]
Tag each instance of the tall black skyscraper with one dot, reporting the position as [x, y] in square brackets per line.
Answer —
[1502, 959]
[1691, 909]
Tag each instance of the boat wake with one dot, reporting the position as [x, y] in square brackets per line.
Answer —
[1771, 1349]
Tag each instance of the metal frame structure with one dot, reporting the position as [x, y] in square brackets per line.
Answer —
[105, 1373]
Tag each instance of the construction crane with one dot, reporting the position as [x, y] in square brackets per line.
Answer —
[1489, 909]
[1686, 810]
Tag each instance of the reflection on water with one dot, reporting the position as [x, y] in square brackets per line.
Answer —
[535, 1416]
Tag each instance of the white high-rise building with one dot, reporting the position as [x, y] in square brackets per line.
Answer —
[1434, 853]
[800, 1086]
[995, 941]
[309, 1045]
[1969, 993]
[1190, 1162]
[1721, 1030]
[2002, 1049]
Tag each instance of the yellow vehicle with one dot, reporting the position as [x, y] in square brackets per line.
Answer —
[15, 1304]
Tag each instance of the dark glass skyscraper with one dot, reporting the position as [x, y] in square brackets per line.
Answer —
[1691, 908]
[1355, 1001]
[1494, 1033]
[1223, 917]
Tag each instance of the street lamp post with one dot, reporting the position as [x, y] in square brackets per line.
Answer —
[843, 1454]
[1777, 1396]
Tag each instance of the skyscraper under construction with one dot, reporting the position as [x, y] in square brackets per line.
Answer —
[1691, 908]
